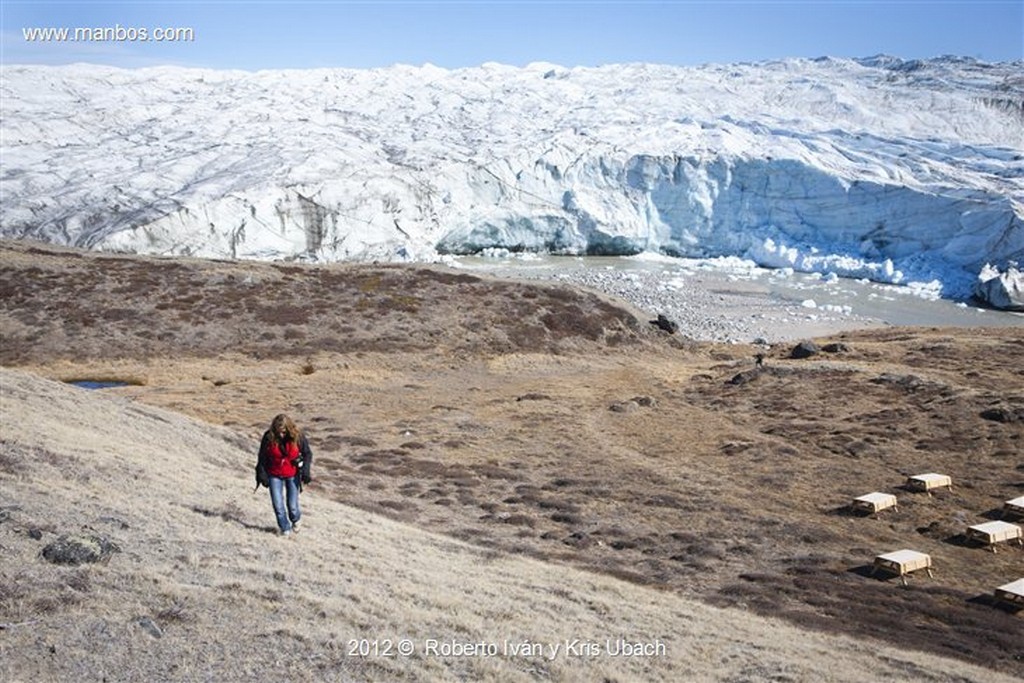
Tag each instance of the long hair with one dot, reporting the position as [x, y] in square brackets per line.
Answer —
[291, 432]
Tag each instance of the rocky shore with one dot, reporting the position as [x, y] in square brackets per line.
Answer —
[705, 306]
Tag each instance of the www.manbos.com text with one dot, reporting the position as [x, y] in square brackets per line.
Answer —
[116, 33]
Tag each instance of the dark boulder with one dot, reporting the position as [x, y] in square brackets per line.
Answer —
[1003, 414]
[746, 376]
[663, 323]
[805, 349]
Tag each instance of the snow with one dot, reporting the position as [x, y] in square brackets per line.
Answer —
[897, 172]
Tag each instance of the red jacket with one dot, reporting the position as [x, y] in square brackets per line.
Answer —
[279, 459]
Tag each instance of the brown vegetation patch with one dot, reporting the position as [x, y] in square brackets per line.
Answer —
[206, 308]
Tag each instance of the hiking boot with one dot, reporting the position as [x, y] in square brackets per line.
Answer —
[295, 527]
[286, 532]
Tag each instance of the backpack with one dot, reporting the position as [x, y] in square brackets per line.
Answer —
[262, 479]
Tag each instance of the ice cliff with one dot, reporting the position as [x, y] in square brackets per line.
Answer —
[892, 170]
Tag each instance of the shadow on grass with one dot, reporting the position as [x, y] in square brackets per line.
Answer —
[851, 512]
[880, 574]
[1004, 515]
[231, 516]
[847, 510]
[990, 600]
[962, 541]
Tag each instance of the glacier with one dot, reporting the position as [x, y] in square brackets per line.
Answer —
[893, 170]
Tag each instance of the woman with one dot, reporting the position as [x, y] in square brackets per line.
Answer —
[283, 466]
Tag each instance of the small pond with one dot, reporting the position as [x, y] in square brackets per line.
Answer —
[98, 383]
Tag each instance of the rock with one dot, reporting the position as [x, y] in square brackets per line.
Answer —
[805, 349]
[909, 383]
[1003, 414]
[835, 347]
[746, 376]
[150, 627]
[632, 404]
[1001, 290]
[76, 550]
[663, 323]
[579, 539]
[116, 522]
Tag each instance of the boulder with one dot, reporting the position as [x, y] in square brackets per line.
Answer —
[624, 406]
[76, 550]
[746, 376]
[663, 323]
[633, 404]
[805, 349]
[1004, 414]
[1000, 290]
[150, 627]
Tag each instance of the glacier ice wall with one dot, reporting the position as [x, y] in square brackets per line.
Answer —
[880, 168]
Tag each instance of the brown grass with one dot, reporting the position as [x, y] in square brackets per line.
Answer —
[499, 430]
[203, 309]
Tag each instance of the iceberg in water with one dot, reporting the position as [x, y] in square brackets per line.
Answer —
[1000, 289]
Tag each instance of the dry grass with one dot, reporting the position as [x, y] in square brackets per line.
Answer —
[202, 589]
[500, 432]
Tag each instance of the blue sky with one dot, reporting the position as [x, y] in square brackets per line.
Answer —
[251, 35]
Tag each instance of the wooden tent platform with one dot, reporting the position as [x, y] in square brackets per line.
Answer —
[874, 502]
[991, 533]
[1012, 593]
[930, 481]
[903, 562]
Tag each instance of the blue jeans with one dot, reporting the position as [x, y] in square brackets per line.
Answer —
[279, 490]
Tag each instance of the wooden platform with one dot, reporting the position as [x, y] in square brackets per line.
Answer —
[874, 502]
[991, 533]
[903, 562]
[1014, 508]
[930, 481]
[1012, 593]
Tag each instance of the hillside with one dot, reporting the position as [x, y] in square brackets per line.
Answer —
[495, 460]
[199, 588]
